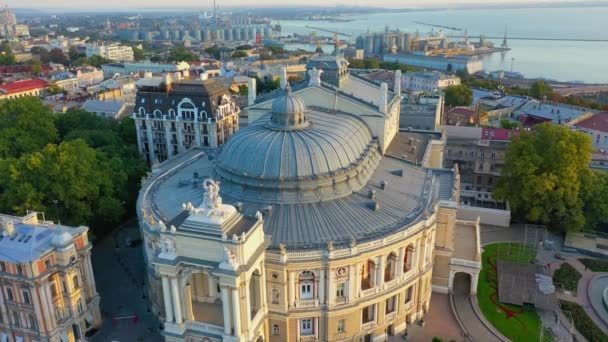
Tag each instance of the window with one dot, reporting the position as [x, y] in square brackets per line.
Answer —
[16, 320]
[409, 294]
[306, 326]
[9, 294]
[26, 297]
[53, 290]
[341, 326]
[2, 266]
[47, 263]
[306, 291]
[19, 269]
[32, 321]
[340, 292]
[75, 282]
[80, 306]
[275, 296]
[275, 329]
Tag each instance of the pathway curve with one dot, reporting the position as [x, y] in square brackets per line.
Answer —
[464, 309]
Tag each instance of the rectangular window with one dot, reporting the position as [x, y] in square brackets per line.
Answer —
[80, 306]
[2, 266]
[26, 297]
[275, 329]
[16, 320]
[409, 293]
[9, 294]
[47, 263]
[306, 291]
[306, 326]
[19, 269]
[340, 292]
[341, 326]
[32, 320]
[75, 282]
[53, 290]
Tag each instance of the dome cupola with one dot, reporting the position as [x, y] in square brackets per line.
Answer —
[288, 112]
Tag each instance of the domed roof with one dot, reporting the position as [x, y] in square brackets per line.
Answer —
[62, 240]
[288, 112]
[287, 165]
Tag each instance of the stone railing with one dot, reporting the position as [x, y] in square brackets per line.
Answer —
[391, 283]
[465, 263]
[341, 300]
[368, 326]
[369, 292]
[390, 316]
[204, 327]
[308, 338]
[307, 303]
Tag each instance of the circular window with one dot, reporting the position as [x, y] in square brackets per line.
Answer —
[341, 271]
[275, 275]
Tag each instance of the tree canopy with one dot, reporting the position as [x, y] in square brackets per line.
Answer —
[76, 167]
[540, 89]
[239, 54]
[458, 95]
[546, 179]
[181, 54]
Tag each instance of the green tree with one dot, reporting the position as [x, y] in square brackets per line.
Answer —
[26, 126]
[508, 124]
[74, 54]
[54, 89]
[547, 179]
[213, 51]
[7, 56]
[458, 95]
[540, 89]
[239, 54]
[36, 66]
[97, 61]
[181, 54]
[56, 56]
[138, 54]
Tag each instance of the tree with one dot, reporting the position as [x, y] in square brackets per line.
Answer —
[508, 124]
[213, 51]
[239, 54]
[74, 54]
[6, 54]
[458, 95]
[54, 89]
[540, 89]
[36, 66]
[181, 54]
[26, 126]
[97, 61]
[138, 54]
[56, 56]
[546, 179]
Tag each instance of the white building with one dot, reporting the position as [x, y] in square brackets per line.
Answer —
[110, 70]
[428, 81]
[113, 52]
[597, 128]
[536, 111]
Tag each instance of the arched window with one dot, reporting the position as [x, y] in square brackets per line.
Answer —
[408, 258]
[275, 296]
[142, 111]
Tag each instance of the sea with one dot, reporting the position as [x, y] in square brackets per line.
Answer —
[571, 61]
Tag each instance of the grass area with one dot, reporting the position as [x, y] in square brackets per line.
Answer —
[595, 265]
[583, 322]
[567, 277]
[515, 322]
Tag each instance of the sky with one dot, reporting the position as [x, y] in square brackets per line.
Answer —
[135, 4]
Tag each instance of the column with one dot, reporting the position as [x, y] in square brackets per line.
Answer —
[316, 322]
[357, 287]
[236, 311]
[39, 308]
[263, 293]
[380, 272]
[168, 137]
[150, 137]
[212, 286]
[167, 300]
[474, 280]
[226, 310]
[177, 305]
[322, 286]
[416, 261]
[247, 294]
[352, 282]
[451, 282]
[188, 299]
[197, 131]
[49, 305]
[292, 289]
[138, 132]
[400, 265]
[376, 313]
[331, 287]
[180, 137]
[91, 274]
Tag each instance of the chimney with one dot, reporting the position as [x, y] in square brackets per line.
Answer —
[382, 106]
[283, 78]
[251, 91]
[397, 87]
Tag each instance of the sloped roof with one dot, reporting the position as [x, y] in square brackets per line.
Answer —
[22, 86]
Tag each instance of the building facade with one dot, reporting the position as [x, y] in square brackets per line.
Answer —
[422, 112]
[428, 81]
[127, 69]
[113, 52]
[34, 87]
[174, 116]
[46, 281]
[316, 233]
[9, 26]
[597, 128]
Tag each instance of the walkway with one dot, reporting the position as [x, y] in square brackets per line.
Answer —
[465, 311]
[582, 296]
[439, 322]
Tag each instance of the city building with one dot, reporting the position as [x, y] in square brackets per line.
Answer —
[174, 115]
[32, 87]
[9, 26]
[427, 81]
[480, 155]
[535, 112]
[597, 128]
[127, 69]
[422, 112]
[307, 225]
[106, 109]
[46, 281]
[460, 116]
[114, 52]
[441, 63]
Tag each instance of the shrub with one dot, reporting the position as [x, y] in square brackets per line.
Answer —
[595, 265]
[583, 322]
[567, 277]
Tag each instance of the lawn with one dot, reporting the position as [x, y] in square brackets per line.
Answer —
[583, 322]
[595, 265]
[567, 277]
[514, 322]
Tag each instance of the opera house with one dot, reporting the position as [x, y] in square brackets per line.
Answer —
[318, 221]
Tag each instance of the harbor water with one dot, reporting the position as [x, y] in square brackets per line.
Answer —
[580, 60]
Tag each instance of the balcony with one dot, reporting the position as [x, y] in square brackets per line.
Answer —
[390, 316]
[308, 338]
[307, 303]
[369, 292]
[205, 327]
[368, 326]
[341, 300]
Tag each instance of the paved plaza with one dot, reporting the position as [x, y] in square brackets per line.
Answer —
[119, 273]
